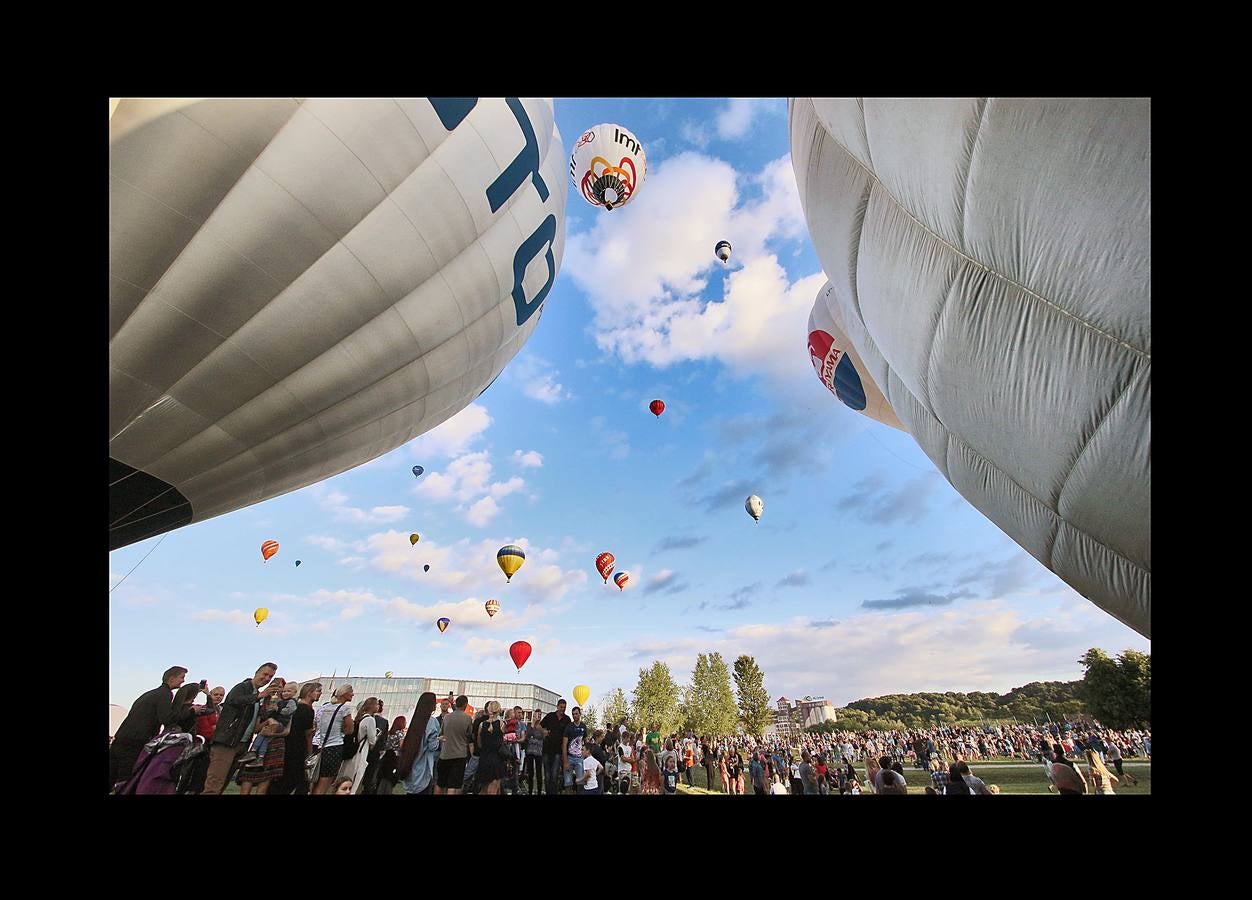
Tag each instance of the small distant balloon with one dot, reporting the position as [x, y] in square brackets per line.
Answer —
[268, 549]
[520, 652]
[581, 693]
[417, 471]
[755, 506]
[657, 407]
[443, 624]
[260, 616]
[414, 538]
[722, 250]
[493, 607]
[297, 563]
[604, 565]
[387, 674]
[620, 580]
[426, 568]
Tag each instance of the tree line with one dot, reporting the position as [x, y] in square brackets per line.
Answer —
[1117, 692]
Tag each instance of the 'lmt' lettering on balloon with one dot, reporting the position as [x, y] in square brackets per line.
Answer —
[631, 145]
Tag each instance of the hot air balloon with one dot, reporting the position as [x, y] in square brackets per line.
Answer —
[493, 607]
[426, 568]
[297, 563]
[755, 506]
[442, 624]
[620, 580]
[520, 652]
[510, 559]
[414, 538]
[657, 407]
[417, 471]
[604, 565]
[990, 262]
[722, 250]
[268, 549]
[298, 286]
[581, 693]
[608, 166]
[260, 615]
[840, 367]
[387, 674]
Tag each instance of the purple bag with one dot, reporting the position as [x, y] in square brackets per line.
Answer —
[152, 773]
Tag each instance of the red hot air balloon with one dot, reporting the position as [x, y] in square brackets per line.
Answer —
[604, 565]
[657, 407]
[520, 651]
[268, 549]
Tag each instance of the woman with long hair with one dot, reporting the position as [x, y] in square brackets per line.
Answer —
[488, 740]
[1101, 777]
[367, 737]
[415, 763]
[185, 712]
[390, 755]
[651, 782]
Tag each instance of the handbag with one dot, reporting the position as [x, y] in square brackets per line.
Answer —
[312, 762]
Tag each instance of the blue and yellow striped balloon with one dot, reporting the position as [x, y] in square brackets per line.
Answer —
[510, 559]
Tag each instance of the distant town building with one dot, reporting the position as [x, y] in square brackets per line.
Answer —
[399, 695]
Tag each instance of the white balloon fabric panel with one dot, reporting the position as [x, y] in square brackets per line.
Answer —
[991, 261]
[839, 366]
[608, 166]
[300, 287]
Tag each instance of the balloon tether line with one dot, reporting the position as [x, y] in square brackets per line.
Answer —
[136, 565]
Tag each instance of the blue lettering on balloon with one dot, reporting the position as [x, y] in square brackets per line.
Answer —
[544, 234]
[526, 163]
[453, 110]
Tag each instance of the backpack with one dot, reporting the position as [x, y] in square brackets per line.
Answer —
[152, 772]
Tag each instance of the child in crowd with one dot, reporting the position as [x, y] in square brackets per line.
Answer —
[280, 710]
[669, 778]
[343, 785]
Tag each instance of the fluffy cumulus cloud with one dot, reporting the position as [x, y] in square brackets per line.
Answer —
[453, 437]
[538, 380]
[530, 459]
[336, 503]
[990, 646]
[467, 482]
[470, 569]
[649, 271]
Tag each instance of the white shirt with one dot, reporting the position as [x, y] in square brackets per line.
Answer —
[322, 721]
[777, 788]
[591, 766]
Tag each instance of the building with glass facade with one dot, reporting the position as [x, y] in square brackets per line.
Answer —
[399, 695]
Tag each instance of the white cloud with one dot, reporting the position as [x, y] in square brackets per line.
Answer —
[453, 437]
[467, 482]
[734, 121]
[647, 272]
[236, 616]
[471, 568]
[694, 133]
[470, 614]
[538, 379]
[531, 459]
[336, 503]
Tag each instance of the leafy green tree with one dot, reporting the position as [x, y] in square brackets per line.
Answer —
[709, 701]
[754, 708]
[656, 699]
[615, 708]
[1118, 692]
[591, 715]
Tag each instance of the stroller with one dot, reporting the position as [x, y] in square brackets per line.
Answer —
[164, 765]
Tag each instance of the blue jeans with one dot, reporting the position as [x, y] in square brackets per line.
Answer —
[552, 774]
[576, 767]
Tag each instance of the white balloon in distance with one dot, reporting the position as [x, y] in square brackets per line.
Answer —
[297, 287]
[608, 166]
[840, 368]
[990, 262]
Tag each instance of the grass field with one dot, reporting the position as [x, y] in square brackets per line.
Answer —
[1013, 776]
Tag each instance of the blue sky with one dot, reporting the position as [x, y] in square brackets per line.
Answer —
[867, 574]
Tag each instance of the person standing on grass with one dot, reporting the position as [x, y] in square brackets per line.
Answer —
[535, 735]
[592, 778]
[756, 771]
[1115, 757]
[148, 715]
[572, 747]
[386, 782]
[299, 741]
[420, 749]
[454, 748]
[554, 726]
[332, 723]
[235, 726]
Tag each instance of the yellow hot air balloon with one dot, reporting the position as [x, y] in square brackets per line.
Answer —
[414, 538]
[387, 674]
[581, 693]
[510, 559]
[261, 615]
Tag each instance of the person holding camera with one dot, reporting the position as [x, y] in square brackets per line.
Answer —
[238, 720]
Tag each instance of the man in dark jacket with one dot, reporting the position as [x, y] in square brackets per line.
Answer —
[236, 724]
[147, 716]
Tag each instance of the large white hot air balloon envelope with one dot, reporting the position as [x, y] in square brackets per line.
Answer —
[299, 286]
[990, 262]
